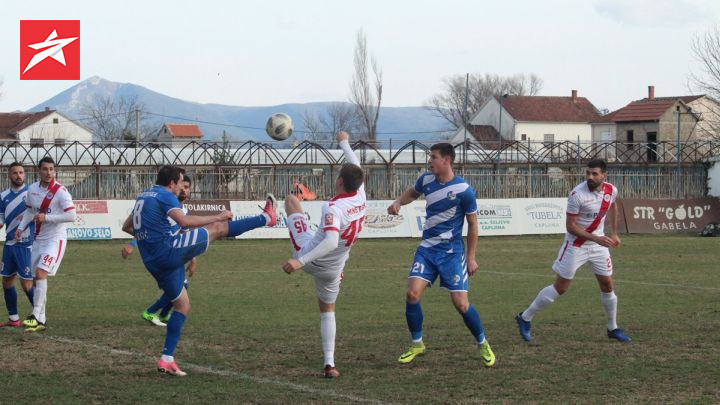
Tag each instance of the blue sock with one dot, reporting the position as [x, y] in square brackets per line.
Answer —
[11, 300]
[473, 322]
[414, 316]
[31, 294]
[174, 329]
[241, 226]
[159, 304]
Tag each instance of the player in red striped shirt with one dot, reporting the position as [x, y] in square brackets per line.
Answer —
[585, 243]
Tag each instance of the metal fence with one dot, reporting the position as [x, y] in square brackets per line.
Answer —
[382, 181]
[308, 153]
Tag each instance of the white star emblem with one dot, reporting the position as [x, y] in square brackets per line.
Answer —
[55, 51]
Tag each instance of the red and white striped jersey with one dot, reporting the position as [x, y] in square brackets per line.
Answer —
[344, 214]
[60, 202]
[590, 208]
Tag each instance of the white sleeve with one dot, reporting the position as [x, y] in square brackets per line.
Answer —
[573, 204]
[27, 217]
[349, 154]
[68, 209]
[326, 246]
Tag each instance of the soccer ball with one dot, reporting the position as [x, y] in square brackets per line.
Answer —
[279, 126]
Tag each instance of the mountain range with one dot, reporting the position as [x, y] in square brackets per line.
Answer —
[241, 123]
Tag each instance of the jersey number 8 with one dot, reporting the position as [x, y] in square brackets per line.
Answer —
[137, 219]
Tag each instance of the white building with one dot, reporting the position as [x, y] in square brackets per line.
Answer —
[531, 118]
[41, 128]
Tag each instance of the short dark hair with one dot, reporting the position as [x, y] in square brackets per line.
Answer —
[46, 159]
[168, 174]
[352, 177]
[13, 164]
[445, 149]
[598, 163]
[186, 179]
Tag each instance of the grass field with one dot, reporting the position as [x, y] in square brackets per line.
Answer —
[252, 335]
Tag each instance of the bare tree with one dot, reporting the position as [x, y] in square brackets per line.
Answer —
[449, 104]
[366, 93]
[705, 48]
[321, 128]
[116, 120]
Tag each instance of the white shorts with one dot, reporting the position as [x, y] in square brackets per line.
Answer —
[47, 255]
[327, 281]
[570, 258]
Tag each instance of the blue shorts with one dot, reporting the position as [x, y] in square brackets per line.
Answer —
[16, 260]
[451, 267]
[169, 270]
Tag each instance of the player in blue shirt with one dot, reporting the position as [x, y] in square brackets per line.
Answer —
[449, 202]
[165, 254]
[16, 254]
[163, 304]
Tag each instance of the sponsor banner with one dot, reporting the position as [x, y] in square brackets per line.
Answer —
[99, 219]
[379, 224]
[519, 216]
[245, 209]
[662, 216]
[207, 207]
[542, 215]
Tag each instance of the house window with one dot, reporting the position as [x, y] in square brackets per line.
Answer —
[523, 137]
[548, 139]
[630, 139]
[37, 142]
[55, 121]
[59, 142]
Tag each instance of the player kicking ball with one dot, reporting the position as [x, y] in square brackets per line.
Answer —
[162, 304]
[164, 254]
[585, 243]
[323, 253]
[449, 202]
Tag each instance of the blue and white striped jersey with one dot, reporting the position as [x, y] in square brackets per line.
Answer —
[12, 207]
[446, 207]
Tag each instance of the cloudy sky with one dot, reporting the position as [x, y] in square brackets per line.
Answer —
[257, 52]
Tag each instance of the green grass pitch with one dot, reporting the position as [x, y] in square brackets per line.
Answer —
[253, 331]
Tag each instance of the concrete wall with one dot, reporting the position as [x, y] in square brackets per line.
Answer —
[709, 125]
[563, 131]
[669, 121]
[604, 132]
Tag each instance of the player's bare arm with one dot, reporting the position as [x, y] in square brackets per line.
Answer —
[196, 221]
[472, 237]
[405, 198]
[342, 136]
[613, 218]
[128, 226]
[192, 266]
[575, 229]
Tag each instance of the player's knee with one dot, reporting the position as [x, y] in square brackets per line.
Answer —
[292, 205]
[461, 306]
[7, 282]
[413, 296]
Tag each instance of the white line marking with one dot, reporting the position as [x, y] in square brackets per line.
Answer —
[210, 370]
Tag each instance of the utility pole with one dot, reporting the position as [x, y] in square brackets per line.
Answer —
[465, 117]
[137, 126]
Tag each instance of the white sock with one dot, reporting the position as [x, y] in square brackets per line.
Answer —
[39, 300]
[15, 317]
[327, 332]
[267, 218]
[609, 302]
[167, 358]
[545, 297]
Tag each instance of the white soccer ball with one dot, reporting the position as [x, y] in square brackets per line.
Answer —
[279, 126]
